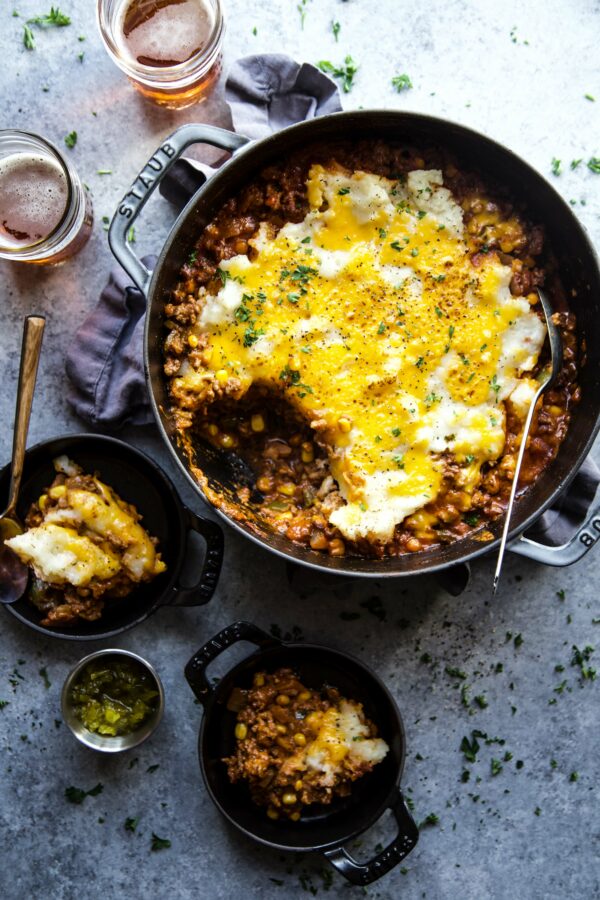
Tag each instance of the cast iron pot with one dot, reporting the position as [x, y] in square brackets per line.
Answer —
[138, 480]
[579, 273]
[325, 828]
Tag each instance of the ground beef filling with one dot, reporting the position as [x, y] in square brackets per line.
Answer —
[277, 720]
[293, 492]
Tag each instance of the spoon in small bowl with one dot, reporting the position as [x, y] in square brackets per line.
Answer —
[546, 377]
[13, 573]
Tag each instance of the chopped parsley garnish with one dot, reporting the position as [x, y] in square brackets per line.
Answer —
[395, 245]
[345, 72]
[382, 233]
[382, 328]
[4, 703]
[153, 768]
[495, 386]
[77, 795]
[420, 362]
[292, 379]
[131, 235]
[305, 240]
[421, 214]
[401, 82]
[593, 165]
[469, 458]
[561, 594]
[335, 27]
[54, 17]
[581, 658]
[343, 191]
[481, 701]
[575, 163]
[438, 312]
[574, 776]
[555, 166]
[496, 766]
[590, 97]
[399, 460]
[159, 843]
[71, 139]
[414, 251]
[193, 257]
[455, 673]
[431, 819]
[44, 674]
[396, 432]
[28, 38]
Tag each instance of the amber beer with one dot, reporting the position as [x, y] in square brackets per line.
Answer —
[170, 49]
[45, 214]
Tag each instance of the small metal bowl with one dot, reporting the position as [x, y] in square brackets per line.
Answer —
[109, 744]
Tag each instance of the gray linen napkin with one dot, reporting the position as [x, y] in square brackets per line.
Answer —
[104, 364]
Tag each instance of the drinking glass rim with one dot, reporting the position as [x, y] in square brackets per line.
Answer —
[54, 151]
[154, 73]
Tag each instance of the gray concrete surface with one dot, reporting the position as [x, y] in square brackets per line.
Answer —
[518, 72]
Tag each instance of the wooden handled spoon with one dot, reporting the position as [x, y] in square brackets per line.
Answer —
[13, 573]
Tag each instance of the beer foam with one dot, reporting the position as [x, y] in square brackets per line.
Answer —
[33, 198]
[170, 35]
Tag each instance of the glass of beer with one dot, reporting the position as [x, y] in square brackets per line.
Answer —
[169, 49]
[45, 212]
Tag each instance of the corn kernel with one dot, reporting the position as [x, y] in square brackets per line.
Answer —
[193, 340]
[308, 453]
[263, 484]
[299, 739]
[259, 679]
[288, 799]
[257, 423]
[272, 813]
[43, 502]
[305, 695]
[283, 699]
[298, 785]
[344, 424]
[58, 491]
[281, 729]
[288, 489]
[313, 720]
[221, 375]
[227, 441]
[241, 731]
[295, 816]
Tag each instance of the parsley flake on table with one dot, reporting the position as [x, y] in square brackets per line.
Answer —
[71, 139]
[4, 703]
[401, 82]
[335, 27]
[131, 823]
[28, 38]
[54, 17]
[159, 843]
[593, 164]
[555, 166]
[496, 766]
[77, 795]
[431, 819]
[44, 674]
[581, 658]
[344, 72]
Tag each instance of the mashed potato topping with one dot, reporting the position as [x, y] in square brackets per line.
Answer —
[372, 318]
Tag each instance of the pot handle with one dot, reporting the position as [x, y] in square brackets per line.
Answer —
[386, 859]
[201, 592]
[583, 540]
[195, 671]
[146, 183]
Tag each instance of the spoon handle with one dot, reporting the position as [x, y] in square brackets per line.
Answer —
[33, 332]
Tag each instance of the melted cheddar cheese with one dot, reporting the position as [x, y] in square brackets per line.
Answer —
[370, 316]
[91, 536]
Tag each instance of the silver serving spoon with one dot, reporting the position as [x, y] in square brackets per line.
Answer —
[545, 379]
[13, 573]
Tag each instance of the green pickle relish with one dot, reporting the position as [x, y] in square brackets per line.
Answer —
[114, 696]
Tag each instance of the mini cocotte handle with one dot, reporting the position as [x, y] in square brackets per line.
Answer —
[195, 671]
[146, 183]
[386, 859]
